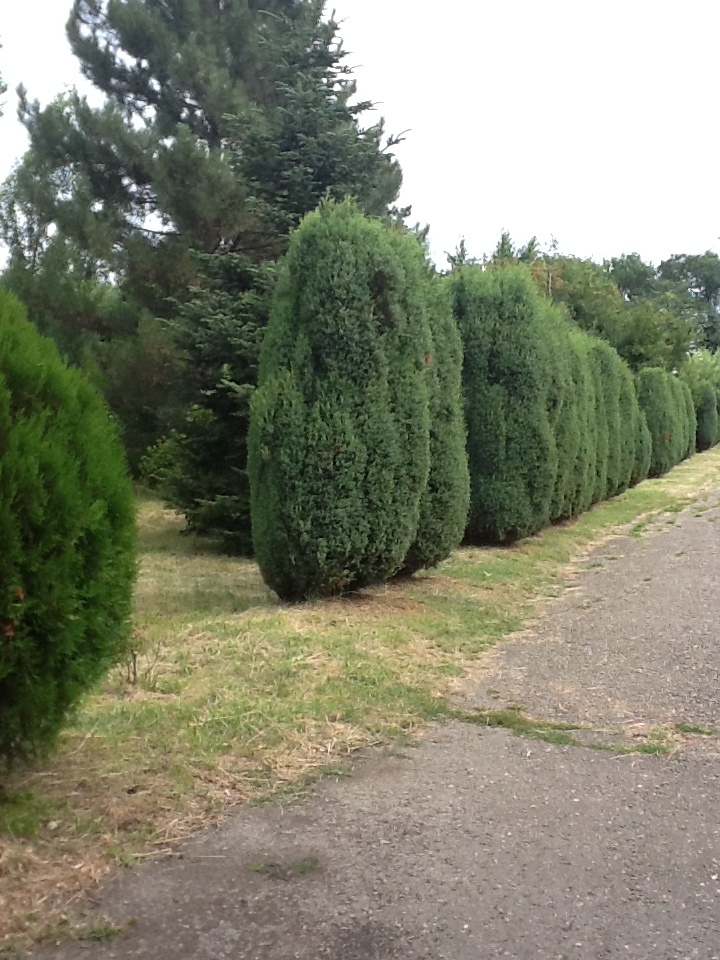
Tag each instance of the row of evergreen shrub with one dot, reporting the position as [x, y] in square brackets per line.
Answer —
[396, 412]
[357, 459]
[552, 414]
[670, 412]
[701, 372]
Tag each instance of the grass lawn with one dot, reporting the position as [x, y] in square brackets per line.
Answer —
[231, 697]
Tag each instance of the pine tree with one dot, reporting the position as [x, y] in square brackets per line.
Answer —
[309, 146]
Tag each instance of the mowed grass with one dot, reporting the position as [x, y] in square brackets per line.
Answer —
[231, 697]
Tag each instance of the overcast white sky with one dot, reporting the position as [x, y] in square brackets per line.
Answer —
[592, 122]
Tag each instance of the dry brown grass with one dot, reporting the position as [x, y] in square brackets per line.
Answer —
[231, 697]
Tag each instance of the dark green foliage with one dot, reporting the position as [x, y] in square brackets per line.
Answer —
[553, 418]
[338, 452]
[664, 408]
[507, 373]
[565, 418]
[609, 376]
[643, 447]
[202, 468]
[221, 125]
[690, 418]
[444, 506]
[584, 399]
[707, 417]
[686, 434]
[628, 417]
[602, 427]
[701, 373]
[618, 422]
[67, 535]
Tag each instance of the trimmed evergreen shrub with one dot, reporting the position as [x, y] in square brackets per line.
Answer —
[586, 453]
[610, 369]
[643, 449]
[628, 417]
[602, 426]
[618, 422]
[665, 419]
[691, 416]
[506, 376]
[564, 406]
[707, 417]
[66, 534]
[338, 454]
[445, 502]
[681, 438]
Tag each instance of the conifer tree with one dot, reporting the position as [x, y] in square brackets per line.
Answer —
[512, 450]
[339, 436]
[67, 528]
[445, 502]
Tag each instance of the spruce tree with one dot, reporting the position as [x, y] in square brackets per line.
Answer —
[309, 145]
[339, 434]
[222, 125]
[201, 468]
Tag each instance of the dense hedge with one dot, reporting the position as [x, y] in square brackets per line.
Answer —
[708, 422]
[507, 372]
[553, 419]
[701, 373]
[670, 418]
[356, 460]
[66, 536]
[339, 442]
[445, 502]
